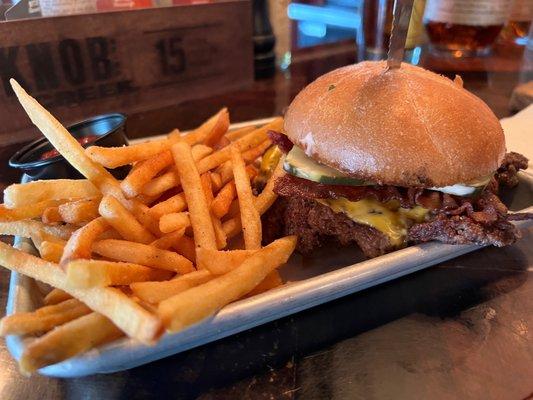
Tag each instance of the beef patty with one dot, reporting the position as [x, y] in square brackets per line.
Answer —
[316, 224]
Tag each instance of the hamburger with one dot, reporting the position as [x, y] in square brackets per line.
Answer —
[383, 158]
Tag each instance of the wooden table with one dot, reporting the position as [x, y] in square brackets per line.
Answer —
[462, 329]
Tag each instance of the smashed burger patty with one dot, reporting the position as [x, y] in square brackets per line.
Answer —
[483, 220]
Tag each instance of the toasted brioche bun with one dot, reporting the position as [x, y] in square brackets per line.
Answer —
[402, 127]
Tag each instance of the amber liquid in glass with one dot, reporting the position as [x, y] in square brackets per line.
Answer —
[467, 39]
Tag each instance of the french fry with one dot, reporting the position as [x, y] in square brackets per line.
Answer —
[143, 254]
[68, 340]
[56, 296]
[43, 319]
[232, 227]
[79, 244]
[251, 220]
[161, 184]
[51, 215]
[130, 317]
[28, 211]
[51, 251]
[221, 262]
[234, 209]
[155, 292]
[24, 194]
[222, 201]
[171, 179]
[144, 172]
[254, 153]
[204, 234]
[195, 304]
[165, 242]
[81, 211]
[238, 133]
[254, 138]
[226, 172]
[174, 204]
[216, 182]
[219, 129]
[267, 197]
[243, 144]
[271, 281]
[142, 214]
[185, 246]
[217, 225]
[114, 157]
[174, 222]
[30, 228]
[73, 152]
[64, 142]
[123, 221]
[90, 273]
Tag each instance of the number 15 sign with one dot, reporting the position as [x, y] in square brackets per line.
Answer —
[126, 61]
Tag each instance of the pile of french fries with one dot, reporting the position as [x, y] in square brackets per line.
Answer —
[145, 255]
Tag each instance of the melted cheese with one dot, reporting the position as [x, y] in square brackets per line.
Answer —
[388, 218]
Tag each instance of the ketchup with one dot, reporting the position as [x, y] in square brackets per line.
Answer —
[54, 153]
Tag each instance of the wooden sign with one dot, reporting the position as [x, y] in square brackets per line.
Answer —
[127, 61]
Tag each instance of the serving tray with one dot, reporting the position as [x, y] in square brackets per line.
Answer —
[328, 275]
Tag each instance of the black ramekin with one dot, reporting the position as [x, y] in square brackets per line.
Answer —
[110, 132]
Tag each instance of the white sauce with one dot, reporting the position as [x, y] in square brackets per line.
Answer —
[309, 144]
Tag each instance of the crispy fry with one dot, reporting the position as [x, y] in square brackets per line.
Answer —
[66, 341]
[174, 222]
[28, 211]
[239, 133]
[251, 220]
[256, 152]
[56, 296]
[143, 254]
[219, 129]
[51, 215]
[173, 204]
[245, 143]
[30, 228]
[63, 141]
[271, 281]
[124, 312]
[263, 202]
[167, 241]
[216, 182]
[267, 197]
[89, 273]
[144, 172]
[199, 134]
[114, 157]
[204, 234]
[123, 221]
[79, 244]
[221, 262]
[71, 150]
[185, 246]
[24, 194]
[51, 251]
[217, 225]
[226, 172]
[195, 304]
[43, 319]
[80, 211]
[155, 292]
[255, 138]
[170, 179]
[222, 202]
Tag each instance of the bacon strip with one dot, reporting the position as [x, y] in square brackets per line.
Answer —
[281, 140]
